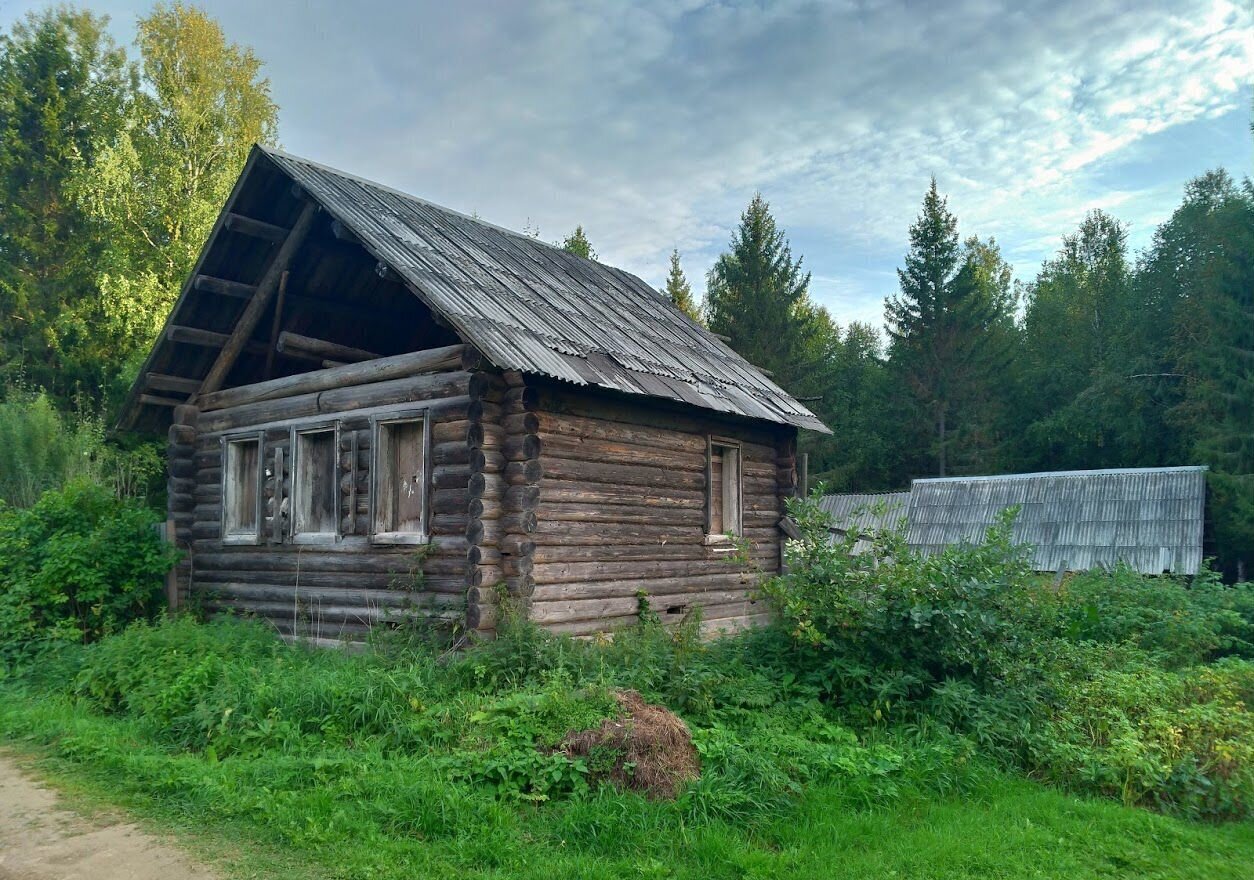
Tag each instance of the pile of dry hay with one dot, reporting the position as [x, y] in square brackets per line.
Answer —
[651, 747]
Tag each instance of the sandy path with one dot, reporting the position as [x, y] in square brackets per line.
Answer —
[40, 840]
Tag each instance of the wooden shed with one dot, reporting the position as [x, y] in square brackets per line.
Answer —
[378, 409]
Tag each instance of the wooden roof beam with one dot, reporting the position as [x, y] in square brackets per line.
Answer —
[256, 228]
[257, 305]
[309, 346]
[236, 289]
[206, 338]
[162, 382]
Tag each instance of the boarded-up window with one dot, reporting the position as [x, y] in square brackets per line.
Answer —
[240, 489]
[723, 504]
[315, 489]
[400, 481]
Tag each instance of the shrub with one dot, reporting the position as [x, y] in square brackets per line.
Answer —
[77, 565]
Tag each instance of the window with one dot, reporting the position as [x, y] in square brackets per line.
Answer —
[400, 480]
[241, 484]
[722, 500]
[315, 487]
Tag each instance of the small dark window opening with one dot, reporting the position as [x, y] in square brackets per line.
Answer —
[241, 489]
[316, 490]
[676, 609]
[723, 489]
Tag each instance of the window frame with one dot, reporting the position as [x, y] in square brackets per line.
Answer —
[727, 535]
[225, 533]
[379, 424]
[294, 535]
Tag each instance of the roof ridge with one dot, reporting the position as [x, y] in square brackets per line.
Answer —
[1076, 473]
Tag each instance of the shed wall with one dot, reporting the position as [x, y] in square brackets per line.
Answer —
[620, 509]
[333, 589]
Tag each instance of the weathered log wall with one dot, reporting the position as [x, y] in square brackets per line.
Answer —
[333, 589]
[608, 502]
[571, 502]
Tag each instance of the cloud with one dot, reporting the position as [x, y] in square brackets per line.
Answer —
[652, 123]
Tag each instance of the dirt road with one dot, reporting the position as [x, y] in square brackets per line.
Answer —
[41, 840]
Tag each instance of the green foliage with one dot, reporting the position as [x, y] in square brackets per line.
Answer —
[156, 186]
[76, 566]
[679, 291]
[951, 328]
[45, 449]
[1115, 683]
[577, 243]
[63, 87]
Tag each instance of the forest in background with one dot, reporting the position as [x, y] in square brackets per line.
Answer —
[114, 164]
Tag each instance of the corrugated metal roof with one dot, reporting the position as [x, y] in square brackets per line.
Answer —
[1149, 518]
[532, 307]
[865, 514]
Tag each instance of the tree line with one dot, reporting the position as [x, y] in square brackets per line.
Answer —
[1106, 359]
[115, 162]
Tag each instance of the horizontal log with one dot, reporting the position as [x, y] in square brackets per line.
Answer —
[562, 491]
[431, 389]
[223, 287]
[156, 400]
[484, 508]
[625, 552]
[521, 473]
[481, 617]
[206, 338]
[481, 436]
[414, 583]
[255, 228]
[450, 476]
[249, 591]
[323, 348]
[655, 478]
[522, 447]
[484, 575]
[400, 366]
[601, 570]
[521, 423]
[561, 608]
[486, 486]
[481, 410]
[163, 382]
[621, 513]
[519, 523]
[479, 555]
[453, 431]
[517, 545]
[520, 400]
[614, 452]
[518, 498]
[550, 532]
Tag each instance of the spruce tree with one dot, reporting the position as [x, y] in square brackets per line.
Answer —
[577, 243]
[678, 290]
[940, 348]
[757, 295]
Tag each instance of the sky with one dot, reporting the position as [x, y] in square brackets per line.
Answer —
[653, 123]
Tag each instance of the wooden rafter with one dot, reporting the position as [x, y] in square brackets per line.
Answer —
[261, 300]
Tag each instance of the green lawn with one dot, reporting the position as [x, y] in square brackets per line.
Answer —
[352, 815]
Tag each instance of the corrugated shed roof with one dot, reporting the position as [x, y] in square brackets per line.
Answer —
[865, 513]
[1149, 518]
[532, 307]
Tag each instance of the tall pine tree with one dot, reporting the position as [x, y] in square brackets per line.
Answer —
[678, 290]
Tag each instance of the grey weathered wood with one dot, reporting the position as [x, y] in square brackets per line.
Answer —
[308, 345]
[154, 400]
[162, 382]
[256, 228]
[223, 287]
[260, 301]
[276, 324]
[399, 366]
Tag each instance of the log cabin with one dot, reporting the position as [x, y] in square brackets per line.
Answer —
[381, 411]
